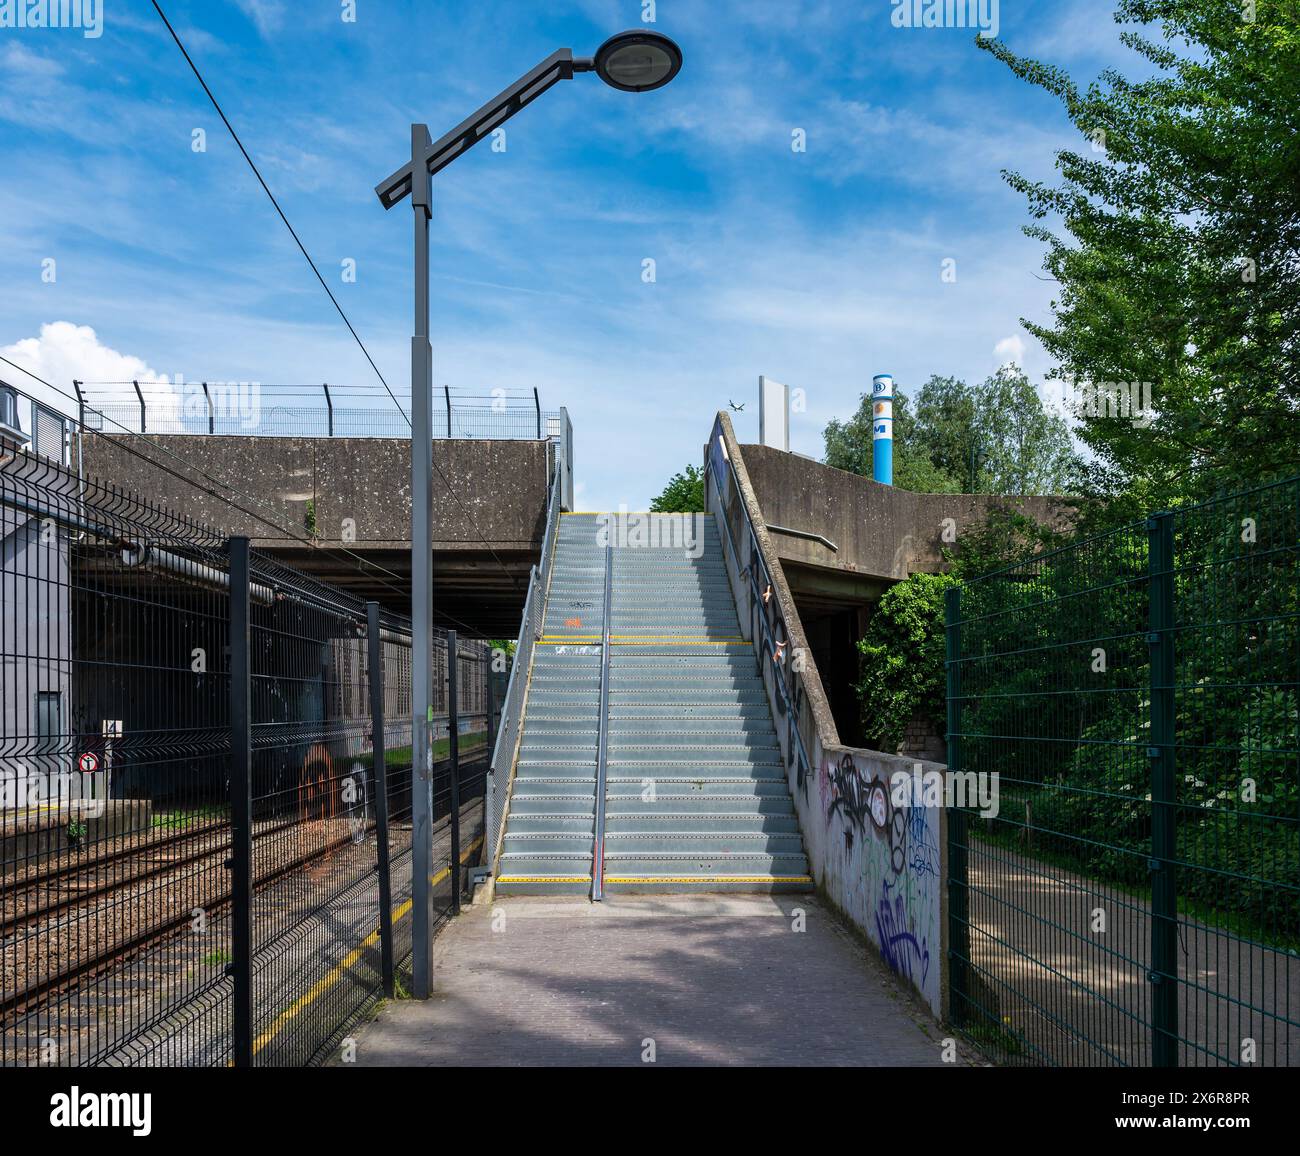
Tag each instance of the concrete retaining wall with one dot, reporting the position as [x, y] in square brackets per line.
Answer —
[879, 530]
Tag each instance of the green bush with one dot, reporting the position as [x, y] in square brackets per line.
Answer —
[901, 673]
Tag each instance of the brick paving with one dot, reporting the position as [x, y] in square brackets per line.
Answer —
[710, 979]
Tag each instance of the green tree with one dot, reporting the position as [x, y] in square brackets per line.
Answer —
[998, 438]
[684, 494]
[849, 447]
[1179, 260]
[1028, 446]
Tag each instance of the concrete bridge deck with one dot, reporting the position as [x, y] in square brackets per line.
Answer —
[346, 503]
[711, 980]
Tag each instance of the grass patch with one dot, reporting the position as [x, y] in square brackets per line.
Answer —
[189, 817]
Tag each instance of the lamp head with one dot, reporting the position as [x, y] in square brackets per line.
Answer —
[638, 60]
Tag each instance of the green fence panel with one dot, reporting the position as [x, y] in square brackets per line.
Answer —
[1136, 898]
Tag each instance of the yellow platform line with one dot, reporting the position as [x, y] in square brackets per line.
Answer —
[336, 973]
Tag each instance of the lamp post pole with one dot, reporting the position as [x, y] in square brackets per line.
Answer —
[421, 573]
[634, 61]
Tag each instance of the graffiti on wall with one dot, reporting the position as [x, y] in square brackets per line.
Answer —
[882, 864]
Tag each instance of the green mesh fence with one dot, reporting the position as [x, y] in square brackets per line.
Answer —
[1136, 898]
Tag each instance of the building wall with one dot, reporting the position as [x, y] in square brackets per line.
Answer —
[35, 654]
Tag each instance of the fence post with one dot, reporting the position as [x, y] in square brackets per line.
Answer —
[1163, 975]
[212, 417]
[453, 753]
[446, 392]
[958, 893]
[140, 398]
[241, 807]
[329, 410]
[379, 749]
[537, 405]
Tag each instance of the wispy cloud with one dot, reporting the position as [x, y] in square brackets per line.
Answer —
[267, 15]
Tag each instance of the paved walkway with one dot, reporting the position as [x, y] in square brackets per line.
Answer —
[710, 980]
[1077, 997]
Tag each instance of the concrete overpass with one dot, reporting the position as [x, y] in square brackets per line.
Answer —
[340, 508]
[843, 540]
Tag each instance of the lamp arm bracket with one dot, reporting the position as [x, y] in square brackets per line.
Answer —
[560, 65]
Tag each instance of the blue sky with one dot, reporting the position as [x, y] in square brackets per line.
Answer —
[817, 268]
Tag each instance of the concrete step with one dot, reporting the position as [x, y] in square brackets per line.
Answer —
[678, 882]
[551, 787]
[663, 767]
[559, 861]
[550, 822]
[640, 842]
[552, 804]
[532, 768]
[715, 863]
[705, 821]
[709, 799]
[673, 748]
[747, 789]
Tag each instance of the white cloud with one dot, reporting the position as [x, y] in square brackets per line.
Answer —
[22, 62]
[65, 352]
[268, 15]
[1010, 350]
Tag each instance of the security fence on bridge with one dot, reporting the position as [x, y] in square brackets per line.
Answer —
[254, 409]
[205, 759]
[1136, 899]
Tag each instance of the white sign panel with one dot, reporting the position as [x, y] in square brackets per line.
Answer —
[774, 414]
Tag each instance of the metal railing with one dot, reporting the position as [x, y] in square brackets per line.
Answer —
[1135, 899]
[501, 765]
[194, 741]
[602, 735]
[251, 409]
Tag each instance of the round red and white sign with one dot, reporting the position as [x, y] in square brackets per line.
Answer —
[89, 763]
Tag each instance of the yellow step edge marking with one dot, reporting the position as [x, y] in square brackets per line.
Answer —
[708, 878]
[543, 879]
[336, 972]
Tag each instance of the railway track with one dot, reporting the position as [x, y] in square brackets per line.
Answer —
[28, 902]
[121, 950]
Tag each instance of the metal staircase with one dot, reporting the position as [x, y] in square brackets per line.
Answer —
[648, 759]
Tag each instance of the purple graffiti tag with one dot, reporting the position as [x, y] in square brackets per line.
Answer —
[901, 949]
[923, 851]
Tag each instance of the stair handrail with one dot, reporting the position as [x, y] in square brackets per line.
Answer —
[760, 589]
[602, 740]
[553, 501]
[510, 725]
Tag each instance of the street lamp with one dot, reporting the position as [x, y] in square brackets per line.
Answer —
[633, 61]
